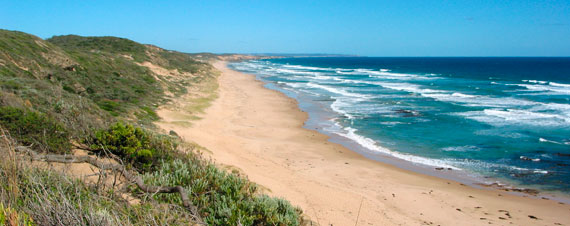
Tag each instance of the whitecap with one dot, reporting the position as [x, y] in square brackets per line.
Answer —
[288, 71]
[559, 84]
[536, 81]
[338, 106]
[300, 67]
[372, 145]
[465, 148]
[551, 89]
[549, 141]
[340, 91]
[502, 117]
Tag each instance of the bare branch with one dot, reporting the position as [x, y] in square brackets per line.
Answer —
[119, 168]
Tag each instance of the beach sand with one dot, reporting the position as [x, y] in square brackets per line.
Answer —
[259, 131]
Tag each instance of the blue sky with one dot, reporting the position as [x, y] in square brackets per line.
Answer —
[370, 28]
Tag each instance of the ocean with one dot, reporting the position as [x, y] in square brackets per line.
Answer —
[490, 118]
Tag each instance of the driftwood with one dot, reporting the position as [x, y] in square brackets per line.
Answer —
[119, 168]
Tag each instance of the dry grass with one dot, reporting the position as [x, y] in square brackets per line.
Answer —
[52, 198]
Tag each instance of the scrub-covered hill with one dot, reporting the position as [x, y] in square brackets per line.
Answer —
[88, 104]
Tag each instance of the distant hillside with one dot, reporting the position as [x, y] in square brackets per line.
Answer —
[122, 77]
[302, 55]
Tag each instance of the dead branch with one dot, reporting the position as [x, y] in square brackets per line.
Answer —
[119, 168]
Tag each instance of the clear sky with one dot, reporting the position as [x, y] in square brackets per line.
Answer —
[370, 28]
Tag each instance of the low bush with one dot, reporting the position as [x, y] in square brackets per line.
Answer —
[222, 198]
[111, 106]
[142, 149]
[9, 216]
[35, 129]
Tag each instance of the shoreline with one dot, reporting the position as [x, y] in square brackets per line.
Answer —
[314, 123]
[260, 131]
[444, 172]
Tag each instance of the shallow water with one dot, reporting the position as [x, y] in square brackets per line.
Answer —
[506, 118]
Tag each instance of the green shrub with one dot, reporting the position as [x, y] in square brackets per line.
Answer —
[111, 106]
[222, 198]
[35, 129]
[147, 115]
[136, 146]
[11, 84]
[9, 216]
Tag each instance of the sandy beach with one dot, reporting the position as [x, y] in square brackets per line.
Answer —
[259, 131]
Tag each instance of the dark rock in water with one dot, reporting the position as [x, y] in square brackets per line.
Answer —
[503, 188]
[563, 154]
[525, 158]
[526, 191]
[439, 168]
[529, 159]
[408, 113]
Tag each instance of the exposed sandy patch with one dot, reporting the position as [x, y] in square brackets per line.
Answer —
[127, 56]
[90, 174]
[163, 75]
[259, 131]
[163, 71]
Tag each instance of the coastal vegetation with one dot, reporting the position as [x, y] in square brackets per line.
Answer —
[99, 95]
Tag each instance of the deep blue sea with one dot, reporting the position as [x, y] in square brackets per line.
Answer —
[501, 118]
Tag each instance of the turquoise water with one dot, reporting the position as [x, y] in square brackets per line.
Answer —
[504, 118]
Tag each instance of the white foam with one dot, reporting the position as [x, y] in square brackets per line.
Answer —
[559, 84]
[501, 117]
[336, 90]
[408, 87]
[338, 106]
[558, 89]
[551, 141]
[384, 74]
[293, 84]
[478, 164]
[450, 96]
[531, 159]
[325, 78]
[288, 71]
[536, 81]
[372, 145]
[518, 115]
[465, 148]
[463, 95]
[313, 68]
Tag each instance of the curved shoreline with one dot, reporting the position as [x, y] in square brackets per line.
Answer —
[260, 131]
[443, 171]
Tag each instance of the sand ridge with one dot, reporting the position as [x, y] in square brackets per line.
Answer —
[260, 132]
